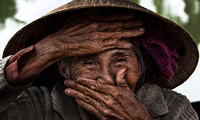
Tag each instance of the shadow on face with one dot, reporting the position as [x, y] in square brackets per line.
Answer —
[104, 66]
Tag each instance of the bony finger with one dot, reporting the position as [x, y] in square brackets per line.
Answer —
[128, 33]
[77, 95]
[74, 85]
[110, 42]
[94, 85]
[115, 43]
[120, 33]
[120, 24]
[90, 84]
[70, 83]
[120, 80]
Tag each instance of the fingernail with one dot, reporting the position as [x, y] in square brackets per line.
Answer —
[142, 29]
[66, 82]
[66, 91]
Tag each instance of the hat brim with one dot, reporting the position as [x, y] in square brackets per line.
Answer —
[38, 29]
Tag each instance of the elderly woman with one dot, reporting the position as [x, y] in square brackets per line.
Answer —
[116, 62]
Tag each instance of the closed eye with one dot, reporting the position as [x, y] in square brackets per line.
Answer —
[121, 60]
[89, 63]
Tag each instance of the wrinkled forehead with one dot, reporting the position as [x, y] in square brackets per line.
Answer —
[112, 52]
[108, 54]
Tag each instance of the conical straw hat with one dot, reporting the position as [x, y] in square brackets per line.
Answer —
[47, 24]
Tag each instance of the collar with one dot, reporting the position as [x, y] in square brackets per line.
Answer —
[151, 96]
[67, 106]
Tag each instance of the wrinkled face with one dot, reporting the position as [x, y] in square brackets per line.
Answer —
[103, 67]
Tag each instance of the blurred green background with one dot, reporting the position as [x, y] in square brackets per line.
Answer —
[192, 9]
[14, 14]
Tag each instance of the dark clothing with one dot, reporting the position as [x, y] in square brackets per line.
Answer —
[40, 103]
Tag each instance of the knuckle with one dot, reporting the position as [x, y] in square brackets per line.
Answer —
[89, 108]
[87, 91]
[110, 103]
[106, 112]
[82, 81]
[87, 99]
[119, 32]
[96, 86]
[79, 96]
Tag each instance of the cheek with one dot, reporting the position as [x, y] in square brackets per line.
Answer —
[76, 70]
[82, 72]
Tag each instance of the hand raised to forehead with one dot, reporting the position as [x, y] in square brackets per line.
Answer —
[83, 34]
[107, 101]
[89, 34]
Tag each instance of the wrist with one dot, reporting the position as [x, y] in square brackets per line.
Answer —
[51, 47]
[45, 53]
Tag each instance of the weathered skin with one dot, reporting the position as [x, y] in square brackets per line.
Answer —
[82, 38]
[107, 94]
[104, 85]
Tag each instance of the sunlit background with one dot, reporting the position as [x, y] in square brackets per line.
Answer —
[14, 14]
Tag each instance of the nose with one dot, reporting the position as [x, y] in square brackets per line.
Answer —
[107, 76]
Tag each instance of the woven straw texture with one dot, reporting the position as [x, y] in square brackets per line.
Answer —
[48, 24]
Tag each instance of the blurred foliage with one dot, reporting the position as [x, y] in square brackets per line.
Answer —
[192, 9]
[8, 9]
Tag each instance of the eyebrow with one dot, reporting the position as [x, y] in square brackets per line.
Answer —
[87, 56]
[95, 55]
[119, 54]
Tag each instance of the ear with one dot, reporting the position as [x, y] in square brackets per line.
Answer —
[64, 69]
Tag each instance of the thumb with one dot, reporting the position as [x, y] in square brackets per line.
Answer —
[120, 80]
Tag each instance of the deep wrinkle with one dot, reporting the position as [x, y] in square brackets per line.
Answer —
[103, 66]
